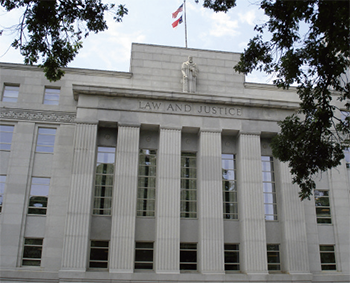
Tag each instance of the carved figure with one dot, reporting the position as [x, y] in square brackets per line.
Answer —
[189, 72]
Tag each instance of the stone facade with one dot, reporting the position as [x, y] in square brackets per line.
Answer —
[165, 208]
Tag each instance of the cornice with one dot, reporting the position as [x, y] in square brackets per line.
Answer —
[35, 115]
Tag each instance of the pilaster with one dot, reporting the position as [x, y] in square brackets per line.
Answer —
[253, 256]
[168, 202]
[76, 240]
[122, 244]
[210, 204]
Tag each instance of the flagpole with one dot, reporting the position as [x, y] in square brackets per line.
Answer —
[185, 23]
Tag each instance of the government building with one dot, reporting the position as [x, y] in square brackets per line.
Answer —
[160, 174]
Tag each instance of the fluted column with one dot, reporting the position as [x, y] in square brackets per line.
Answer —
[210, 204]
[76, 241]
[122, 245]
[292, 217]
[168, 202]
[251, 211]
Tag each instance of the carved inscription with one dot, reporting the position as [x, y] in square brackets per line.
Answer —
[194, 109]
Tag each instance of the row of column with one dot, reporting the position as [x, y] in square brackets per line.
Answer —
[253, 259]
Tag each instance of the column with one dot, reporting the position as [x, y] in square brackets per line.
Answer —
[251, 211]
[210, 204]
[168, 202]
[122, 244]
[76, 241]
[15, 205]
[294, 249]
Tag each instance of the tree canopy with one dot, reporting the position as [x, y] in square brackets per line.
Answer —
[316, 61]
[52, 31]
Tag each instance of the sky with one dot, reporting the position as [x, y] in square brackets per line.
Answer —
[150, 22]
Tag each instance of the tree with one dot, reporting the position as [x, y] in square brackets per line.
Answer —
[53, 30]
[313, 139]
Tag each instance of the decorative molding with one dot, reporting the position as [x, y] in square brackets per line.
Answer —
[35, 115]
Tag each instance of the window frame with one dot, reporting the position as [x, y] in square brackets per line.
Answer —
[102, 202]
[228, 251]
[96, 260]
[27, 247]
[4, 132]
[328, 252]
[270, 253]
[138, 251]
[270, 194]
[146, 183]
[6, 98]
[319, 217]
[184, 250]
[186, 183]
[229, 181]
[47, 94]
[46, 197]
[51, 146]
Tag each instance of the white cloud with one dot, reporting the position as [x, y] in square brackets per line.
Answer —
[223, 25]
[248, 17]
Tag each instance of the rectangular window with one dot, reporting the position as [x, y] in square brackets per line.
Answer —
[6, 133]
[146, 190]
[188, 256]
[229, 186]
[231, 257]
[39, 192]
[104, 180]
[323, 209]
[10, 93]
[273, 257]
[46, 140]
[188, 208]
[51, 96]
[99, 254]
[327, 257]
[270, 201]
[2, 189]
[143, 255]
[347, 157]
[32, 252]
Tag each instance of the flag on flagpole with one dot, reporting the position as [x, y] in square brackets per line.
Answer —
[178, 11]
[177, 22]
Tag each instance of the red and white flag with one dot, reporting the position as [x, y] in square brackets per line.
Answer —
[177, 22]
[178, 11]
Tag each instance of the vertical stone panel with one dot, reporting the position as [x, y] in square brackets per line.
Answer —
[15, 200]
[168, 202]
[122, 245]
[292, 217]
[76, 241]
[251, 205]
[210, 204]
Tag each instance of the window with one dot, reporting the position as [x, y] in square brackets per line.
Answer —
[143, 255]
[188, 201]
[32, 252]
[10, 93]
[273, 257]
[6, 133]
[51, 96]
[231, 257]
[146, 191]
[347, 157]
[323, 209]
[2, 189]
[229, 186]
[46, 140]
[104, 179]
[327, 257]
[99, 254]
[269, 189]
[39, 193]
[188, 256]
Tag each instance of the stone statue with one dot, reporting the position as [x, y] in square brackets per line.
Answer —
[189, 72]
